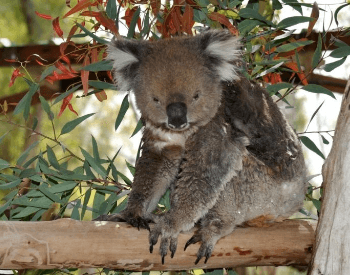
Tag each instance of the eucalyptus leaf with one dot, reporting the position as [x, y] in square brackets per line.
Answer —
[67, 93]
[318, 52]
[133, 23]
[331, 66]
[123, 108]
[94, 163]
[311, 145]
[52, 158]
[69, 126]
[95, 37]
[314, 88]
[104, 65]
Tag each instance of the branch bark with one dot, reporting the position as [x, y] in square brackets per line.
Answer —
[332, 253]
[68, 243]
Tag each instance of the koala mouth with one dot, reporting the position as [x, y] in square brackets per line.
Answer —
[177, 116]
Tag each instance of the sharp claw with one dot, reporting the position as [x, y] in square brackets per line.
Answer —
[151, 248]
[197, 260]
[189, 242]
[206, 259]
[163, 259]
[172, 254]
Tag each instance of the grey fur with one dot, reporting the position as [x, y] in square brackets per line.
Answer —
[237, 162]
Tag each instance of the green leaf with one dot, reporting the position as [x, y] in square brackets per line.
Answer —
[26, 212]
[137, 128]
[291, 21]
[250, 13]
[146, 28]
[325, 141]
[276, 5]
[292, 46]
[46, 107]
[102, 85]
[313, 115]
[294, 4]
[24, 103]
[27, 173]
[69, 126]
[133, 23]
[340, 52]
[52, 158]
[130, 167]
[331, 66]
[35, 123]
[48, 194]
[121, 206]
[313, 88]
[123, 108]
[98, 39]
[75, 213]
[25, 154]
[317, 55]
[311, 145]
[95, 149]
[99, 198]
[317, 204]
[67, 93]
[5, 206]
[125, 178]
[88, 171]
[10, 185]
[104, 65]
[64, 186]
[337, 11]
[111, 9]
[4, 164]
[85, 203]
[273, 89]
[247, 25]
[49, 70]
[94, 164]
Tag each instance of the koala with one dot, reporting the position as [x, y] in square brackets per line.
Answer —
[211, 136]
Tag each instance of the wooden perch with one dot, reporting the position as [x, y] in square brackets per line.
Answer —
[69, 243]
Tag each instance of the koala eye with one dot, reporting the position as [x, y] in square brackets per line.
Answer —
[196, 96]
[156, 100]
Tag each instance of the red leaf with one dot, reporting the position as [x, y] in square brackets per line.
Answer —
[85, 75]
[222, 19]
[155, 5]
[72, 32]
[65, 103]
[293, 66]
[56, 27]
[101, 95]
[109, 23]
[45, 16]
[80, 6]
[187, 20]
[63, 69]
[128, 17]
[94, 57]
[16, 73]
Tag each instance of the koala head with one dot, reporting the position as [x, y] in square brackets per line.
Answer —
[176, 82]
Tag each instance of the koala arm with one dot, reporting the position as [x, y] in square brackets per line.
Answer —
[211, 160]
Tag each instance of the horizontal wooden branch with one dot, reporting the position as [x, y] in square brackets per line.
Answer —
[68, 243]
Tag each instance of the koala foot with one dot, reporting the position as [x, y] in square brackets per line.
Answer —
[205, 249]
[135, 221]
[168, 240]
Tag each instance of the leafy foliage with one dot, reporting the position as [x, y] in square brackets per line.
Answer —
[42, 187]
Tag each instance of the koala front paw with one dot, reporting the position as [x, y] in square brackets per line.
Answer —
[168, 239]
[205, 249]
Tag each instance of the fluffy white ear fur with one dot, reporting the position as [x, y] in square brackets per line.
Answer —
[227, 51]
[121, 60]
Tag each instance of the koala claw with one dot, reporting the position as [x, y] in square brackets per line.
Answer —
[193, 240]
[139, 223]
[204, 251]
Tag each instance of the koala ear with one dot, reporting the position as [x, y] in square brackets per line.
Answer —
[223, 52]
[125, 55]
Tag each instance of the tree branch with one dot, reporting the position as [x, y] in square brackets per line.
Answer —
[69, 243]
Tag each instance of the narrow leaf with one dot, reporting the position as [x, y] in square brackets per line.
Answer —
[52, 158]
[324, 140]
[311, 145]
[85, 203]
[67, 93]
[291, 21]
[313, 88]
[69, 126]
[46, 107]
[95, 149]
[317, 55]
[331, 66]
[101, 85]
[50, 195]
[313, 115]
[99, 198]
[293, 45]
[133, 23]
[75, 213]
[337, 11]
[94, 164]
[10, 185]
[111, 9]
[314, 14]
[130, 167]
[137, 128]
[4, 164]
[49, 70]
[24, 155]
[104, 65]
[341, 52]
[123, 108]
[95, 37]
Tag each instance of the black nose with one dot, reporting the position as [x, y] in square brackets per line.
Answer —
[177, 115]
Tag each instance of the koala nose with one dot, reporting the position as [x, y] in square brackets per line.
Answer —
[177, 115]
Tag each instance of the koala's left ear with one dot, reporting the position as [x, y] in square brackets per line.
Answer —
[222, 50]
[126, 55]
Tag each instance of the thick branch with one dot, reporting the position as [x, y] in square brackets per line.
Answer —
[332, 251]
[68, 243]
